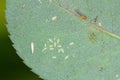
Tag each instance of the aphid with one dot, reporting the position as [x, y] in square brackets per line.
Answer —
[81, 15]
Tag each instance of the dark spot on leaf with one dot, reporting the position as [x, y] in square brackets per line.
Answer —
[95, 19]
[92, 37]
[101, 69]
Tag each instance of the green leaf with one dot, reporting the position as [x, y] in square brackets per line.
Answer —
[3, 31]
[57, 43]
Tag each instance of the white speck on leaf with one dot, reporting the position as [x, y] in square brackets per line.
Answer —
[54, 18]
[52, 44]
[54, 57]
[40, 1]
[50, 0]
[55, 44]
[59, 46]
[51, 48]
[51, 40]
[23, 5]
[32, 47]
[66, 57]
[58, 40]
[71, 43]
[100, 24]
[116, 75]
[44, 49]
[45, 45]
[61, 50]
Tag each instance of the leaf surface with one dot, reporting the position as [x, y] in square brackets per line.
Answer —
[58, 45]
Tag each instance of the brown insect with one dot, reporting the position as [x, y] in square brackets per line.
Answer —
[81, 15]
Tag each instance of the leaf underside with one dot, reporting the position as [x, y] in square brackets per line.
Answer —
[57, 45]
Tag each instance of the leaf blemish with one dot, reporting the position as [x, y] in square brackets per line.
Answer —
[84, 17]
[101, 69]
[92, 37]
[95, 19]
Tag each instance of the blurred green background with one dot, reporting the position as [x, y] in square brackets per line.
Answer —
[11, 66]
